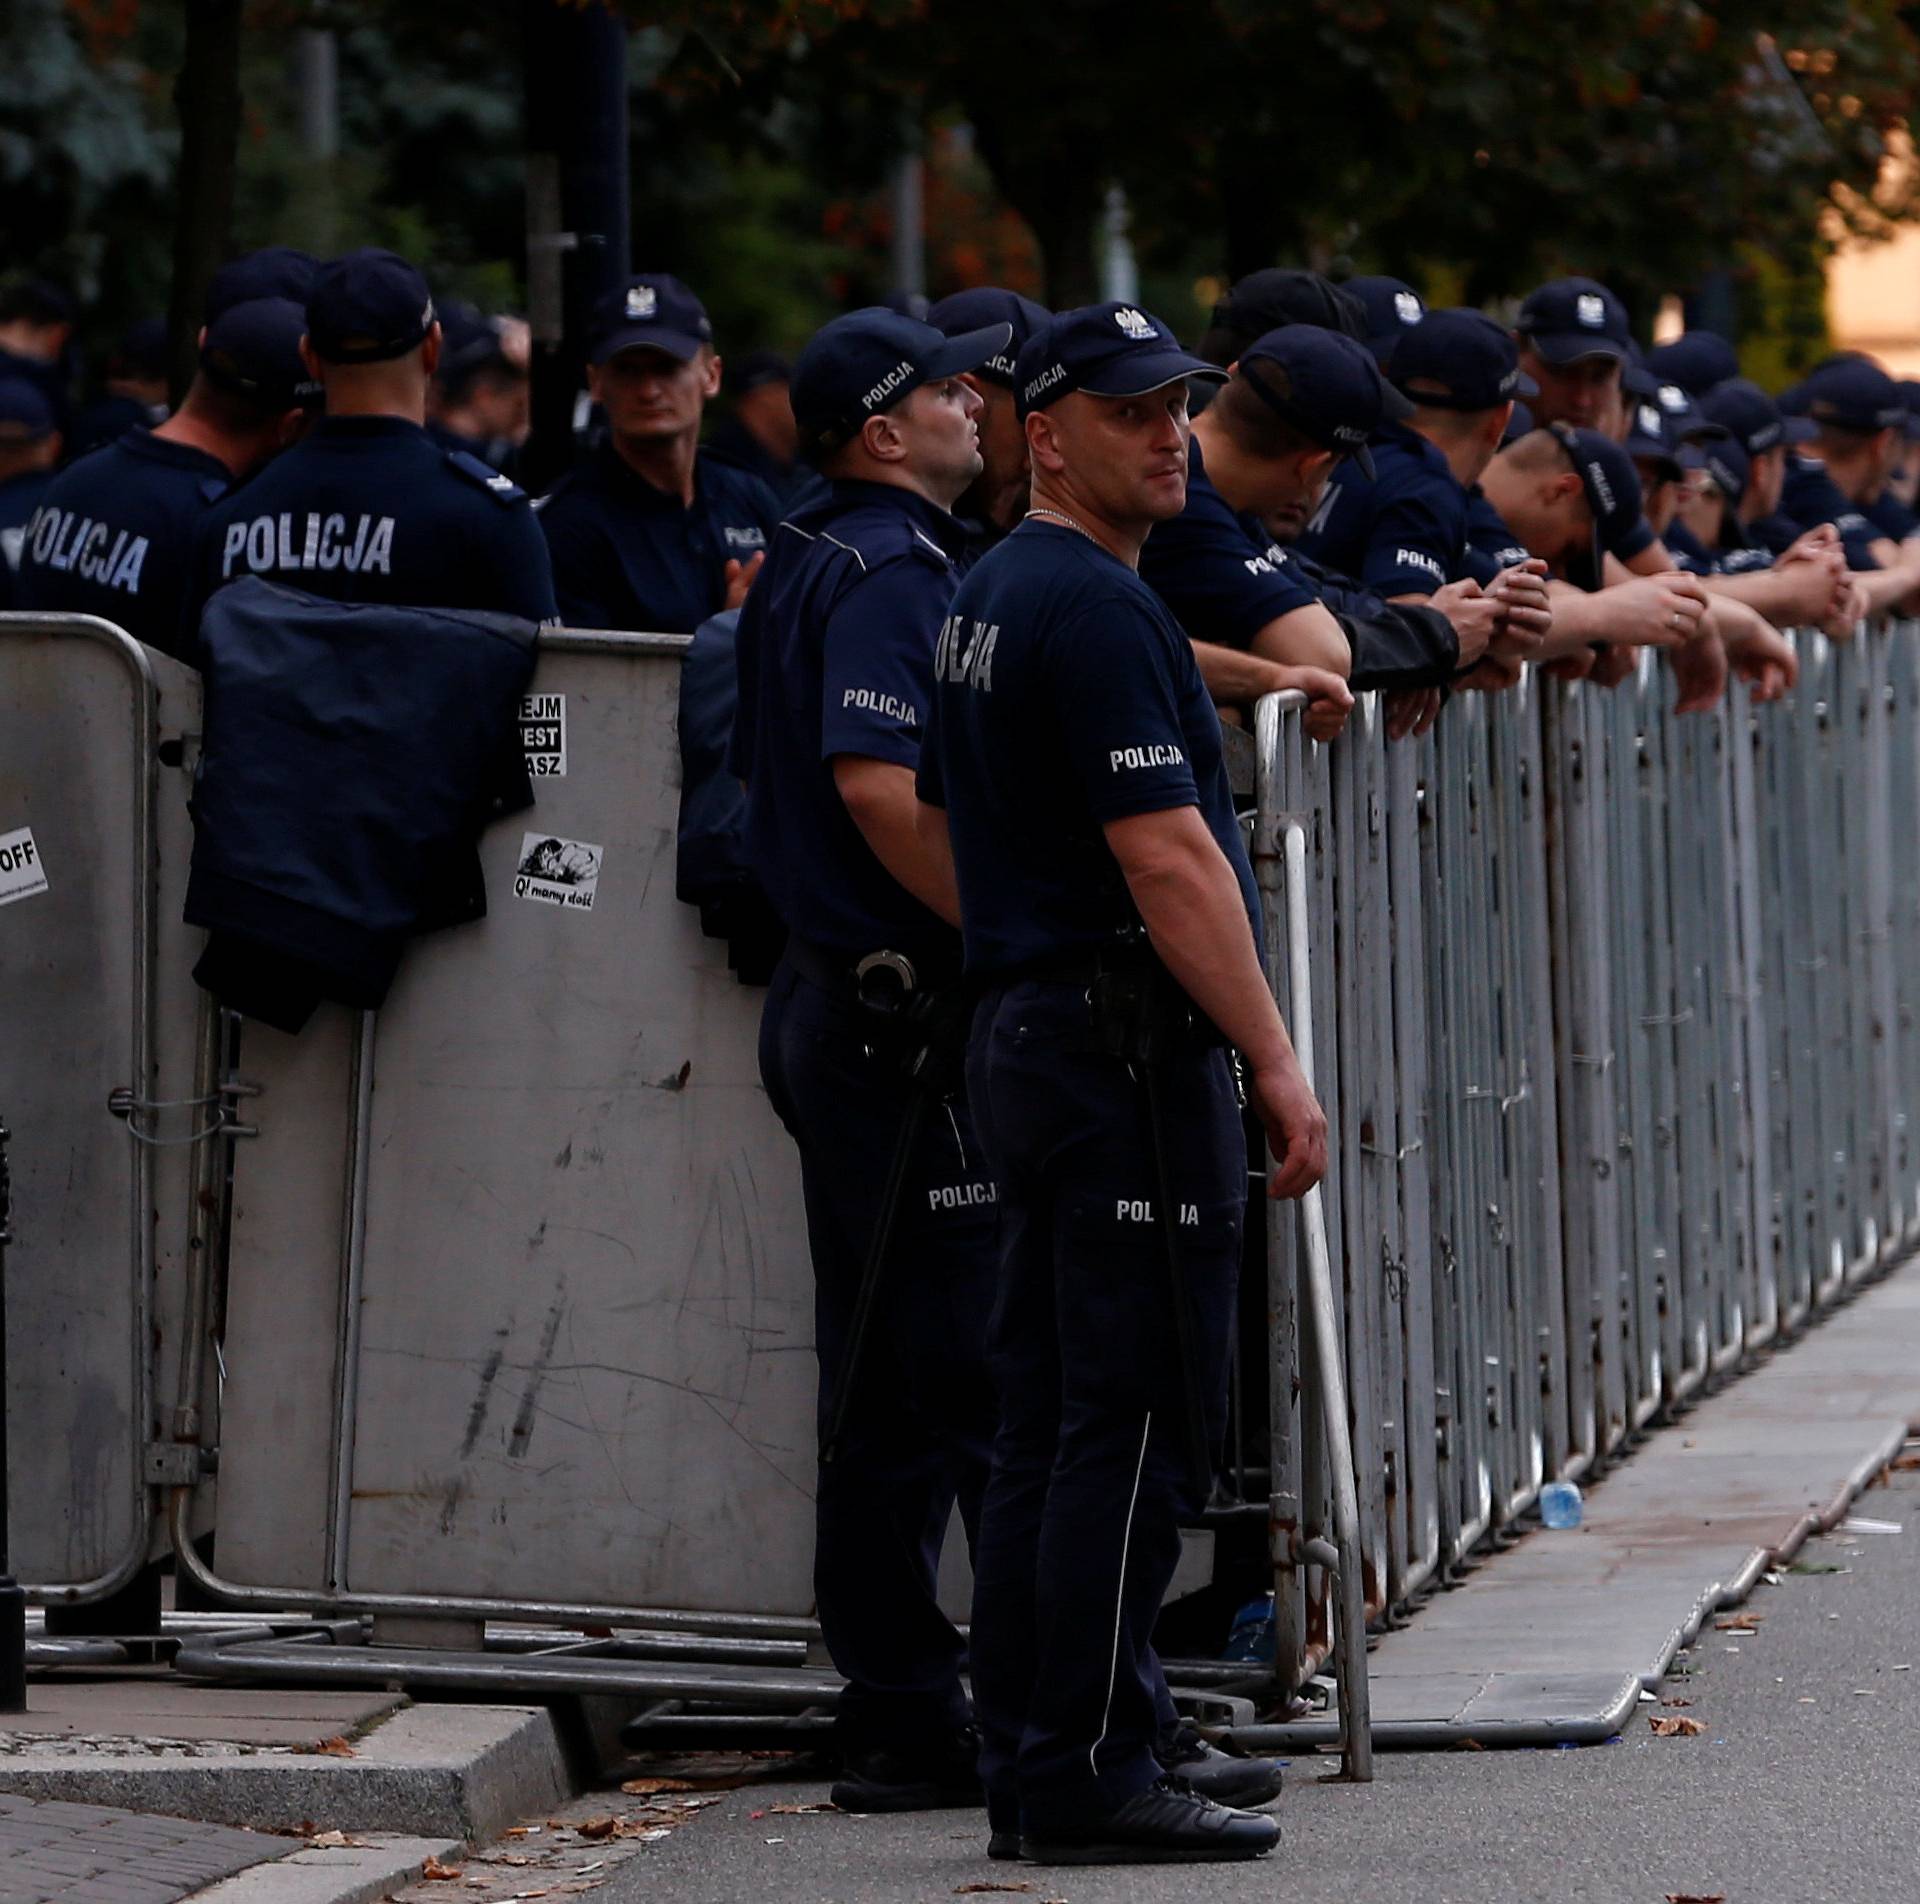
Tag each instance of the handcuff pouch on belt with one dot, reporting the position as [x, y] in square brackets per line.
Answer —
[1139, 1013]
[921, 1029]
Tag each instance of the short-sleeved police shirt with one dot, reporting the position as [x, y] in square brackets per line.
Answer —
[1066, 696]
[1891, 517]
[114, 535]
[370, 509]
[835, 656]
[1219, 571]
[1809, 497]
[1690, 555]
[1491, 546]
[1403, 532]
[628, 555]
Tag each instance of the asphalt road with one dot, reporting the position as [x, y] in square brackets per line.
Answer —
[1805, 1785]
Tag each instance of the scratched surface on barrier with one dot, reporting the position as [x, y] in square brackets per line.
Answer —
[583, 1368]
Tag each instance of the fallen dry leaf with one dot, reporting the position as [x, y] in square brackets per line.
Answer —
[331, 1840]
[1676, 1702]
[597, 1828]
[335, 1748]
[1696, 1897]
[1468, 1745]
[643, 1787]
[505, 1857]
[1906, 1463]
[434, 1869]
[1739, 1623]
[970, 1890]
[795, 1811]
[1678, 1727]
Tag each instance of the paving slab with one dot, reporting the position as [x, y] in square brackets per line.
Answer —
[57, 1853]
[1551, 1639]
[152, 1703]
[362, 1871]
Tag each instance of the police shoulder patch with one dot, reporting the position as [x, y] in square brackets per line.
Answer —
[212, 488]
[503, 489]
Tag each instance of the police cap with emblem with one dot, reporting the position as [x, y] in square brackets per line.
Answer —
[1653, 436]
[862, 364]
[654, 311]
[988, 304]
[1695, 360]
[1723, 459]
[1102, 350]
[275, 271]
[1393, 308]
[1460, 360]
[1850, 393]
[368, 307]
[26, 415]
[253, 349]
[1326, 385]
[1263, 301]
[1756, 421]
[1575, 318]
[1612, 487]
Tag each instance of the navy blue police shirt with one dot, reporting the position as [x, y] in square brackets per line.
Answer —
[835, 656]
[1403, 532]
[1809, 497]
[19, 497]
[1066, 696]
[1491, 546]
[371, 509]
[1220, 572]
[1891, 517]
[115, 533]
[1690, 555]
[628, 555]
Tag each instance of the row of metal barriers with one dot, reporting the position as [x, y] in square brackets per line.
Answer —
[1617, 1015]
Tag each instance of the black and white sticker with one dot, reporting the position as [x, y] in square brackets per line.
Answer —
[21, 873]
[543, 734]
[557, 872]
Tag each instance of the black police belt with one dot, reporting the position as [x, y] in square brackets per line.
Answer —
[1137, 1010]
[916, 1012]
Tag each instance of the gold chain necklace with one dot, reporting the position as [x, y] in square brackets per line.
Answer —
[1066, 522]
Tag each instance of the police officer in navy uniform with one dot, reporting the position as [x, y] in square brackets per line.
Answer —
[273, 271]
[29, 453]
[650, 531]
[366, 507]
[1109, 913]
[835, 655]
[116, 533]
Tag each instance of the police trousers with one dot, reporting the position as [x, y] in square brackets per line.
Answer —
[1079, 1536]
[917, 1436]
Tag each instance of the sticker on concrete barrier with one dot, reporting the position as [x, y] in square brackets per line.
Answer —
[21, 873]
[543, 735]
[557, 872]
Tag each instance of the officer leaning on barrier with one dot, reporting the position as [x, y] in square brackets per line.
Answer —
[650, 531]
[996, 499]
[115, 534]
[366, 507]
[859, 1042]
[1074, 761]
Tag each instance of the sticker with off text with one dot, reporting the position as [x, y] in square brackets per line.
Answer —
[21, 872]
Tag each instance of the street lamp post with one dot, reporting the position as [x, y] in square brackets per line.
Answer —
[13, 1601]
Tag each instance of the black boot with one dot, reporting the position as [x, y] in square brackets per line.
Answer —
[892, 1778]
[1166, 1824]
[1221, 1776]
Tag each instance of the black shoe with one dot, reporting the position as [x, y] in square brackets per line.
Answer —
[1221, 1776]
[1165, 1824]
[884, 1778]
[1004, 1847]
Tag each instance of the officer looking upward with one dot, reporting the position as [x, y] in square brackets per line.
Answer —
[996, 499]
[649, 531]
[366, 507]
[1108, 907]
[860, 1034]
[116, 533]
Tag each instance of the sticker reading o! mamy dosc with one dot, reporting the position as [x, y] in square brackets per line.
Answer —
[21, 873]
[557, 872]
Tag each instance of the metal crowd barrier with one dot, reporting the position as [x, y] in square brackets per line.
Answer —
[1626, 1061]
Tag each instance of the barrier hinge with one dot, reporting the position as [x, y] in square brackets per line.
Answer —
[176, 1463]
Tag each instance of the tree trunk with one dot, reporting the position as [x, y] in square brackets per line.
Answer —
[206, 95]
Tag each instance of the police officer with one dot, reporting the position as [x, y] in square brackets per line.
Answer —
[1270, 299]
[29, 452]
[478, 400]
[36, 339]
[996, 499]
[649, 531]
[758, 433]
[274, 271]
[835, 652]
[366, 507]
[1393, 308]
[116, 533]
[1694, 362]
[1108, 911]
[134, 395]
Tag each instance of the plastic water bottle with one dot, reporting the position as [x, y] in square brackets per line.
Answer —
[1560, 1504]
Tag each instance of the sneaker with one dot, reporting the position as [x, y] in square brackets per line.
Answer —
[1222, 1776]
[884, 1778]
[1004, 1847]
[1166, 1824]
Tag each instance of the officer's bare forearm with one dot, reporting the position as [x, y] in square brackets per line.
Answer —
[1190, 903]
[1786, 596]
[1235, 679]
[1577, 623]
[1306, 637]
[880, 797]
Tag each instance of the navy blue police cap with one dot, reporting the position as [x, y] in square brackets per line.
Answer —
[1910, 395]
[1460, 360]
[274, 271]
[254, 350]
[755, 369]
[987, 304]
[26, 414]
[368, 307]
[1849, 393]
[1653, 435]
[653, 311]
[1695, 360]
[1757, 422]
[1103, 350]
[1612, 487]
[1263, 301]
[1326, 385]
[1722, 457]
[468, 340]
[1393, 308]
[862, 364]
[1574, 318]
